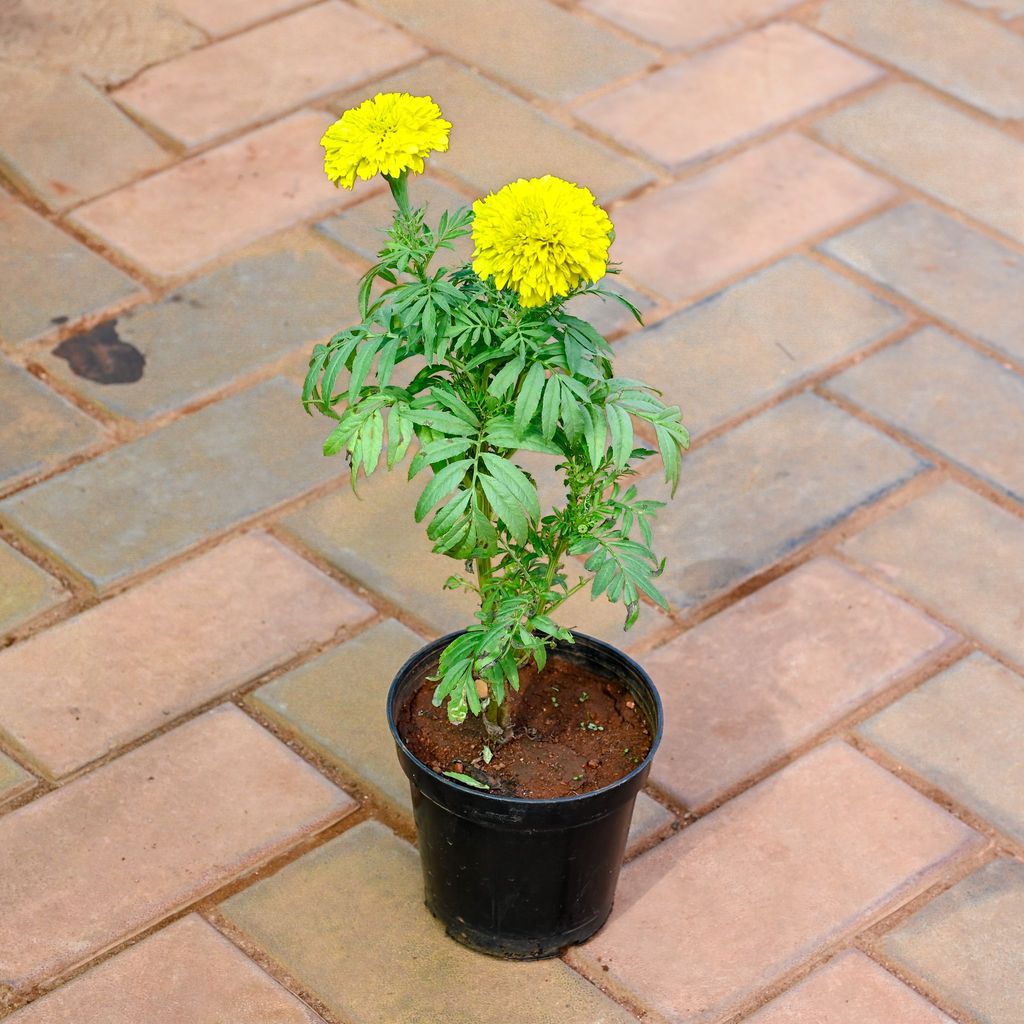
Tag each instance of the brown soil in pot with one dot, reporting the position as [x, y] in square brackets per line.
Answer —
[573, 732]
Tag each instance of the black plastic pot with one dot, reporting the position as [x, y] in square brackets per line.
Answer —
[514, 877]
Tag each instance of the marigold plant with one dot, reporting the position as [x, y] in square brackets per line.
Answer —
[497, 366]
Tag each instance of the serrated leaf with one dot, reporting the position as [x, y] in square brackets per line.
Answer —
[516, 481]
[529, 396]
[550, 406]
[443, 482]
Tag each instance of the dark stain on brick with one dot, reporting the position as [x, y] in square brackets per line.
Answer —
[101, 356]
[58, 319]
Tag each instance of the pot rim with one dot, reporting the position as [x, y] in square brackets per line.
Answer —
[527, 801]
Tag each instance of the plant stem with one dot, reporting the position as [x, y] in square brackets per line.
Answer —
[400, 190]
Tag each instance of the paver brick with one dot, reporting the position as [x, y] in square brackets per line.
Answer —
[263, 72]
[14, 780]
[959, 160]
[945, 268]
[38, 430]
[25, 590]
[749, 892]
[768, 332]
[749, 685]
[650, 820]
[851, 989]
[529, 144]
[186, 972]
[214, 329]
[52, 118]
[949, 397]
[959, 555]
[175, 221]
[769, 486]
[962, 730]
[146, 501]
[47, 278]
[683, 25]
[684, 238]
[967, 945]
[117, 850]
[723, 96]
[1006, 8]
[943, 43]
[228, 16]
[364, 892]
[133, 663]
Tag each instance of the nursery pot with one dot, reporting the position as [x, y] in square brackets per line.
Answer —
[515, 877]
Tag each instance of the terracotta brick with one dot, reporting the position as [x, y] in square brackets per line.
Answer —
[529, 144]
[651, 820]
[506, 38]
[52, 118]
[851, 989]
[949, 397]
[958, 554]
[226, 16]
[768, 332]
[200, 475]
[47, 278]
[723, 96]
[749, 892]
[945, 268]
[38, 430]
[25, 590]
[943, 43]
[266, 71]
[187, 972]
[14, 780]
[365, 890]
[962, 730]
[959, 160]
[747, 686]
[131, 664]
[214, 203]
[681, 24]
[967, 945]
[684, 238]
[117, 850]
[1006, 8]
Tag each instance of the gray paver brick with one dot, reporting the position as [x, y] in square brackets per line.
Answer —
[25, 590]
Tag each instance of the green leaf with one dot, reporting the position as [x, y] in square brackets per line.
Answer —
[515, 480]
[529, 396]
[550, 407]
[505, 379]
[443, 483]
[466, 780]
[622, 435]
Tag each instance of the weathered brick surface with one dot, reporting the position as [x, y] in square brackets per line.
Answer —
[122, 847]
[47, 278]
[941, 42]
[509, 38]
[949, 397]
[726, 95]
[144, 502]
[186, 972]
[146, 656]
[227, 16]
[52, 119]
[967, 945]
[750, 891]
[14, 780]
[907, 133]
[263, 72]
[1006, 8]
[959, 554]
[38, 430]
[755, 681]
[208, 206]
[531, 142]
[962, 730]
[25, 590]
[765, 488]
[947, 269]
[387, 959]
[217, 328]
[851, 989]
[684, 238]
[768, 332]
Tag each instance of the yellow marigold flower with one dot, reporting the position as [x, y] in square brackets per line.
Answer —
[541, 237]
[392, 133]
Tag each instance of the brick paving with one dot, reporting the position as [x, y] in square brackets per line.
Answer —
[818, 205]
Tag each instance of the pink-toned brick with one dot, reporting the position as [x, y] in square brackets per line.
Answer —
[851, 989]
[214, 203]
[722, 96]
[131, 664]
[258, 74]
[685, 238]
[226, 16]
[117, 850]
[186, 974]
[747, 686]
[707, 919]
